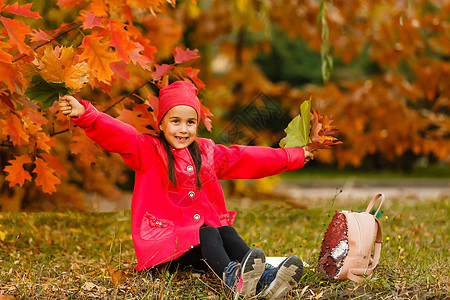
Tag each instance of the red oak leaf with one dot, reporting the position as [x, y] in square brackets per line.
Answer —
[185, 55]
[39, 35]
[90, 20]
[22, 10]
[192, 73]
[161, 71]
[205, 115]
[138, 58]
[17, 174]
[120, 69]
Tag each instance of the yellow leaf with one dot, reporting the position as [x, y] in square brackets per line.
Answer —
[60, 65]
[98, 57]
[2, 236]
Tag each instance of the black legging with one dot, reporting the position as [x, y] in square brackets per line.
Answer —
[218, 246]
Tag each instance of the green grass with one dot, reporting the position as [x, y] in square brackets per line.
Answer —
[67, 255]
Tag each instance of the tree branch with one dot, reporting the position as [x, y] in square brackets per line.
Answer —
[7, 144]
[126, 96]
[49, 41]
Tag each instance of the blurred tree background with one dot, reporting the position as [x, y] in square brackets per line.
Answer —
[386, 67]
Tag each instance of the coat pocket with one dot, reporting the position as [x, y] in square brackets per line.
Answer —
[153, 228]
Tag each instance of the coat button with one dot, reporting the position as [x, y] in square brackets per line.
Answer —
[197, 216]
[191, 194]
[190, 168]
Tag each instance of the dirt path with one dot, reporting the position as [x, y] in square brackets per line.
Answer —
[354, 190]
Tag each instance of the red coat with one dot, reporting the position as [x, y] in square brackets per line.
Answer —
[165, 220]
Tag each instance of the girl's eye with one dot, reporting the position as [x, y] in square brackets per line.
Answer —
[175, 121]
[192, 122]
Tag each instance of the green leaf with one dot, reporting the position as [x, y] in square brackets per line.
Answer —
[46, 93]
[297, 131]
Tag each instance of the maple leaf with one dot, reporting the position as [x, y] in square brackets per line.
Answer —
[22, 10]
[297, 131]
[17, 30]
[17, 174]
[185, 55]
[46, 93]
[60, 65]
[161, 71]
[98, 57]
[45, 177]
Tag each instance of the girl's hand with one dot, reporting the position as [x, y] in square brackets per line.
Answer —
[308, 155]
[70, 106]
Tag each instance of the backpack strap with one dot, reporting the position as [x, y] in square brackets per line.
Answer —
[354, 272]
[372, 202]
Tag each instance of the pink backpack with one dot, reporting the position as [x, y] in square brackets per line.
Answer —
[346, 251]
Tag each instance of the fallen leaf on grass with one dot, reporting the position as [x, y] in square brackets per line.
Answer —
[6, 297]
[118, 277]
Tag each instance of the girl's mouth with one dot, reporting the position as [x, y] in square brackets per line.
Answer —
[181, 138]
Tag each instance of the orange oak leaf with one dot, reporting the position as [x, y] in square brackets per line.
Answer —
[185, 55]
[5, 56]
[17, 30]
[83, 145]
[135, 118]
[17, 174]
[161, 70]
[98, 57]
[148, 113]
[14, 129]
[54, 162]
[10, 74]
[22, 10]
[45, 176]
[60, 65]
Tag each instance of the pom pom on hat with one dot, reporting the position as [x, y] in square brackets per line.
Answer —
[178, 93]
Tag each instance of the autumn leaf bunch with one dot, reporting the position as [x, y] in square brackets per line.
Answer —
[310, 129]
[56, 72]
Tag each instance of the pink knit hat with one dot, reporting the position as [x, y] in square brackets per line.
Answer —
[177, 93]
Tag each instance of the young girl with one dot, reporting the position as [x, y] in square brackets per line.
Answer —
[178, 211]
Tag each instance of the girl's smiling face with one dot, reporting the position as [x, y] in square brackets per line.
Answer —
[179, 126]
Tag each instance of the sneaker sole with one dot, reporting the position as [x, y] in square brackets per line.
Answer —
[252, 268]
[288, 276]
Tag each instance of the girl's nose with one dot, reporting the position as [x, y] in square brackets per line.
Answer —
[183, 128]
